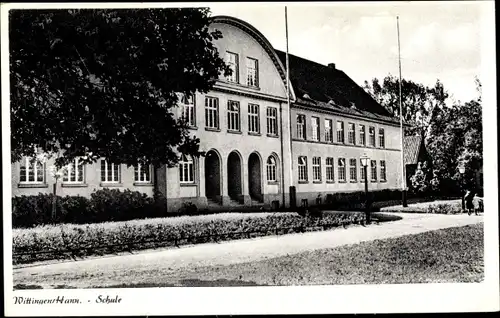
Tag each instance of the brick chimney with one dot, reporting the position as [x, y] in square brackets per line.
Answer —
[331, 65]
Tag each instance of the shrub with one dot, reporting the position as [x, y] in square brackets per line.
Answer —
[445, 208]
[76, 209]
[436, 207]
[114, 205]
[103, 205]
[54, 241]
[33, 210]
[188, 208]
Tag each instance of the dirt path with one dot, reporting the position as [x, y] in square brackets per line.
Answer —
[116, 269]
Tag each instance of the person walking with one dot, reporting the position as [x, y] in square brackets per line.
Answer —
[469, 197]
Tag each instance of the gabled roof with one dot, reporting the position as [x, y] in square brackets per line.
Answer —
[411, 149]
[331, 88]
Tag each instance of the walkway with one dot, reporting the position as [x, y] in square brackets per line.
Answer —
[230, 252]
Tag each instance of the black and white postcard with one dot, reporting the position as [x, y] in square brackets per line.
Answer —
[249, 158]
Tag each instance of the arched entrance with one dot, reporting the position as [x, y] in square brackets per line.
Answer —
[212, 175]
[234, 176]
[254, 177]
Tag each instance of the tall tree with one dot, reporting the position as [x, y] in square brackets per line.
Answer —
[455, 136]
[418, 101]
[103, 83]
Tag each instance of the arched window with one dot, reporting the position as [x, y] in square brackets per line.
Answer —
[186, 169]
[271, 169]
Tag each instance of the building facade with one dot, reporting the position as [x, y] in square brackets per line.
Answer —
[256, 145]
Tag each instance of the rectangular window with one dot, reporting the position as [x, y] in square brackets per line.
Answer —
[272, 121]
[315, 128]
[142, 173]
[329, 170]
[340, 131]
[233, 115]
[341, 168]
[302, 169]
[74, 172]
[316, 165]
[301, 127]
[381, 138]
[353, 170]
[328, 130]
[212, 112]
[383, 175]
[253, 118]
[31, 171]
[186, 169]
[371, 132]
[373, 165]
[187, 107]
[252, 72]
[362, 135]
[362, 171]
[232, 61]
[110, 172]
[351, 134]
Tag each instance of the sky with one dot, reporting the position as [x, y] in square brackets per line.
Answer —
[439, 40]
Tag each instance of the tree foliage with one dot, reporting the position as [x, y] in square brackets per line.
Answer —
[453, 133]
[418, 101]
[103, 82]
[419, 181]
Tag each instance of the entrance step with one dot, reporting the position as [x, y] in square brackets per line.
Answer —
[213, 202]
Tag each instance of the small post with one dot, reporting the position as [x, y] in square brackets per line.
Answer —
[364, 162]
[461, 170]
[54, 201]
[367, 203]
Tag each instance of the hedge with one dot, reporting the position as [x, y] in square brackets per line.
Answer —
[435, 207]
[103, 205]
[69, 240]
[356, 200]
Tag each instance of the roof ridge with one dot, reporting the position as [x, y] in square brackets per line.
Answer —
[303, 58]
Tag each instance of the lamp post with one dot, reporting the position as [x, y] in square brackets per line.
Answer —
[461, 169]
[364, 163]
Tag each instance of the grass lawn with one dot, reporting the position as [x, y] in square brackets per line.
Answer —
[443, 256]
[449, 255]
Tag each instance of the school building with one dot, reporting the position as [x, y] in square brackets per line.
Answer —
[256, 146]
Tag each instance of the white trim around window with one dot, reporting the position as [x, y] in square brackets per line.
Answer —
[143, 174]
[271, 169]
[110, 172]
[186, 170]
[31, 171]
[74, 173]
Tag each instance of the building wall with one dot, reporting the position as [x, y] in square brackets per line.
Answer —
[390, 153]
[91, 182]
[222, 142]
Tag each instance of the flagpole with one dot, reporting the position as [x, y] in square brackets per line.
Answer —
[288, 94]
[292, 192]
[403, 179]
